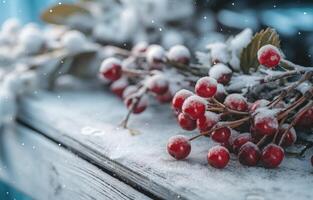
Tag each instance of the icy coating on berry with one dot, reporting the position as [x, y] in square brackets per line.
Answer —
[107, 63]
[269, 56]
[259, 104]
[155, 54]
[207, 121]
[219, 70]
[218, 157]
[178, 147]
[119, 86]
[141, 105]
[194, 106]
[179, 53]
[236, 102]
[158, 84]
[206, 87]
[240, 140]
[186, 122]
[291, 136]
[265, 122]
[180, 97]
[129, 91]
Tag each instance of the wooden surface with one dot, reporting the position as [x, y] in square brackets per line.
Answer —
[86, 122]
[44, 170]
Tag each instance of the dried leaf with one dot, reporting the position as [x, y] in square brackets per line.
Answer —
[248, 58]
[58, 14]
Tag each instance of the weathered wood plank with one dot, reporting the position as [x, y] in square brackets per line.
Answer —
[86, 121]
[44, 170]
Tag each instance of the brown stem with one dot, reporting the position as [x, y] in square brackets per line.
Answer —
[135, 101]
[294, 121]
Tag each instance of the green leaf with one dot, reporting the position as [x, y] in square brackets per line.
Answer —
[248, 57]
[58, 14]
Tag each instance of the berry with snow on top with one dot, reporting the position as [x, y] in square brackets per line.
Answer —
[269, 56]
[218, 157]
[206, 87]
[178, 147]
[194, 106]
[179, 54]
[221, 73]
[111, 69]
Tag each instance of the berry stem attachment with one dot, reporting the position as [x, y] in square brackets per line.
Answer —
[143, 90]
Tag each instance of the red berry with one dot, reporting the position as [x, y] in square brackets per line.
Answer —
[118, 87]
[240, 140]
[249, 154]
[306, 119]
[186, 122]
[220, 93]
[236, 102]
[179, 98]
[218, 157]
[258, 104]
[179, 54]
[265, 123]
[221, 135]
[194, 106]
[290, 137]
[158, 84]
[206, 87]
[207, 121]
[178, 147]
[141, 105]
[272, 156]
[165, 98]
[111, 69]
[269, 56]
[221, 73]
[155, 54]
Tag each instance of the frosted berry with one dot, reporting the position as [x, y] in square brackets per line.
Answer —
[272, 156]
[140, 47]
[249, 154]
[206, 87]
[221, 73]
[165, 98]
[118, 87]
[179, 98]
[155, 54]
[186, 122]
[306, 119]
[265, 124]
[221, 135]
[258, 104]
[220, 94]
[236, 102]
[141, 105]
[179, 54]
[129, 91]
[240, 140]
[207, 121]
[218, 157]
[194, 107]
[178, 147]
[290, 137]
[158, 84]
[111, 69]
[269, 56]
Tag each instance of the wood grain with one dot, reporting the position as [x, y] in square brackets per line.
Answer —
[44, 170]
[86, 122]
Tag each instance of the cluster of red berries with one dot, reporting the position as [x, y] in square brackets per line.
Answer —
[142, 72]
[265, 133]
